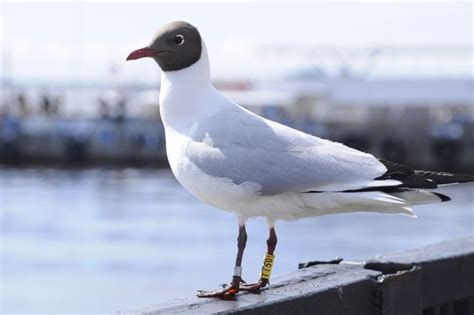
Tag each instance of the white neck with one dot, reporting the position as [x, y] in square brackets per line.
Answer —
[187, 95]
[197, 73]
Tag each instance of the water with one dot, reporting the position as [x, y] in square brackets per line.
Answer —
[101, 240]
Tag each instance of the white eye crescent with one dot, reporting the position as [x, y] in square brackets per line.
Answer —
[179, 39]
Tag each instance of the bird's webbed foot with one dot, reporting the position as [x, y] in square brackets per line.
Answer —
[227, 292]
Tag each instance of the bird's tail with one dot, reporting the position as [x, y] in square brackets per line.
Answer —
[415, 182]
[366, 201]
[419, 196]
[400, 201]
[387, 199]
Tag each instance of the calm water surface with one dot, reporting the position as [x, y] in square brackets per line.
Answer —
[102, 240]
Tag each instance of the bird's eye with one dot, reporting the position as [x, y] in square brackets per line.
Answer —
[179, 39]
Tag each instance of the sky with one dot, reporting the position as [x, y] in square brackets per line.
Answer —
[89, 41]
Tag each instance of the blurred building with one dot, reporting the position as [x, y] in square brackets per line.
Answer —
[424, 122]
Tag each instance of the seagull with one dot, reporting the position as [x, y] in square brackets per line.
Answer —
[237, 161]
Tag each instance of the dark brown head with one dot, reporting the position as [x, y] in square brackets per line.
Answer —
[176, 46]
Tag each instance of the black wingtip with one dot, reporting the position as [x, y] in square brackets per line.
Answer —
[443, 198]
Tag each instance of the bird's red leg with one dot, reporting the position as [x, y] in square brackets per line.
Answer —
[267, 265]
[229, 290]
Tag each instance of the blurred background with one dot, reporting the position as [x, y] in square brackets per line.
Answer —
[91, 218]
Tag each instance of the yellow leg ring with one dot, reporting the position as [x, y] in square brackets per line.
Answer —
[267, 266]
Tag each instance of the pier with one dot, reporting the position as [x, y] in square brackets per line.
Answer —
[141, 142]
[432, 280]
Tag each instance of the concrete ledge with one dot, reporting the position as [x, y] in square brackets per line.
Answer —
[437, 279]
[447, 274]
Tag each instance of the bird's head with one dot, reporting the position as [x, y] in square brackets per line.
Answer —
[176, 46]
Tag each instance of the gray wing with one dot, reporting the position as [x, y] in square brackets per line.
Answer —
[244, 147]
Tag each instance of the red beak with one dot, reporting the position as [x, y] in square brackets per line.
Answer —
[142, 53]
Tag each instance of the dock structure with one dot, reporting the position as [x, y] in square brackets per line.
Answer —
[432, 280]
[56, 141]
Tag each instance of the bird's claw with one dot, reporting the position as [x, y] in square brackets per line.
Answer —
[228, 291]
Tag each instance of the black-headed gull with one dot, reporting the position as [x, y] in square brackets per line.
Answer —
[237, 161]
